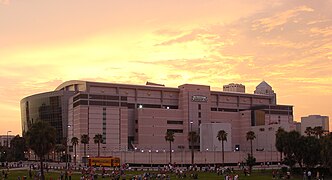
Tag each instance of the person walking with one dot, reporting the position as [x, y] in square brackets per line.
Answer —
[309, 175]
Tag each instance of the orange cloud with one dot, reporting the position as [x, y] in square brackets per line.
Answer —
[270, 23]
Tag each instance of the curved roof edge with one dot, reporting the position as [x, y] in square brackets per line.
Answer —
[70, 83]
[43, 94]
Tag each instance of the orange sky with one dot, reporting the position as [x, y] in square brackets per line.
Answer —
[211, 42]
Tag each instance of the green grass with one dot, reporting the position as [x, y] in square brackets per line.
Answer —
[257, 175]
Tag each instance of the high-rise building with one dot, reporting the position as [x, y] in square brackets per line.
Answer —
[265, 88]
[239, 88]
[314, 121]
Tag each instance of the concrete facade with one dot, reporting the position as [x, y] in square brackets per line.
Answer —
[234, 88]
[4, 139]
[136, 117]
[314, 121]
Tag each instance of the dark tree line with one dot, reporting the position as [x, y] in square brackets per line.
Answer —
[15, 152]
[306, 151]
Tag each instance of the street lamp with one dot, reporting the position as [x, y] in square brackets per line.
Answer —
[191, 142]
[68, 126]
[205, 155]
[150, 157]
[8, 138]
[134, 154]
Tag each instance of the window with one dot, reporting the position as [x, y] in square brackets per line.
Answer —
[175, 130]
[199, 106]
[174, 122]
[199, 114]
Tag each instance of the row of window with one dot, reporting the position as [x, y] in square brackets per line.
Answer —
[104, 125]
[99, 97]
[122, 104]
[223, 109]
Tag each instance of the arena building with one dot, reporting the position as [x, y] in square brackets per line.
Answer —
[137, 117]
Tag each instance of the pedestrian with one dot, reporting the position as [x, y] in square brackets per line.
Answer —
[273, 174]
[309, 175]
[317, 175]
[288, 174]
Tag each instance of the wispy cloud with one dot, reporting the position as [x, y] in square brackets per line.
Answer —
[5, 2]
[279, 19]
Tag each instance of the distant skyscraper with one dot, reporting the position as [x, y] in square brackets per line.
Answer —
[234, 88]
[265, 88]
[314, 121]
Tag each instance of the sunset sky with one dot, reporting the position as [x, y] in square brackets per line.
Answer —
[212, 42]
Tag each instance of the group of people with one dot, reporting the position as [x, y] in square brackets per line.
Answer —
[308, 175]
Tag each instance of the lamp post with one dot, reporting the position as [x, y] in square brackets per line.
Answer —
[214, 155]
[150, 158]
[134, 153]
[205, 155]
[191, 143]
[8, 138]
[68, 126]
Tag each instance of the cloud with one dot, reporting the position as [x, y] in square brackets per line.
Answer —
[5, 2]
[279, 19]
[327, 31]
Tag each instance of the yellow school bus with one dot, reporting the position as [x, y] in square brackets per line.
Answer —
[104, 161]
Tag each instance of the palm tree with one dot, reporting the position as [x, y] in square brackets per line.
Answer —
[98, 139]
[41, 138]
[250, 137]
[318, 131]
[85, 140]
[281, 136]
[309, 131]
[222, 136]
[74, 142]
[170, 137]
[192, 138]
[59, 148]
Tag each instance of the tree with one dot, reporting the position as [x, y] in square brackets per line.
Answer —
[251, 161]
[41, 138]
[97, 140]
[293, 148]
[250, 137]
[309, 131]
[18, 147]
[74, 142]
[222, 136]
[170, 138]
[280, 141]
[318, 131]
[311, 151]
[85, 140]
[59, 149]
[326, 151]
[192, 138]
[4, 151]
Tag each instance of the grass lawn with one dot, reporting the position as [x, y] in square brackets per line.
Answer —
[257, 175]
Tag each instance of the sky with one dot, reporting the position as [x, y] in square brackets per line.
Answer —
[211, 42]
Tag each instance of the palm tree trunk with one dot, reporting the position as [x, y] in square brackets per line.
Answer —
[84, 150]
[75, 155]
[251, 147]
[42, 168]
[223, 153]
[98, 149]
[192, 155]
[170, 152]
